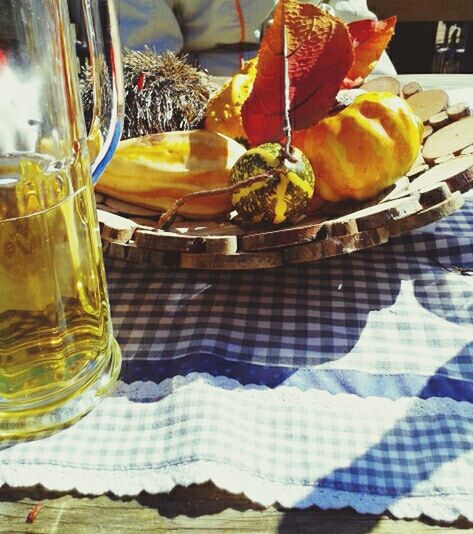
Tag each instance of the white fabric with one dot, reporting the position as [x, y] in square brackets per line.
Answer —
[239, 437]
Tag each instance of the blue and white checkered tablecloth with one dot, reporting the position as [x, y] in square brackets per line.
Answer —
[347, 382]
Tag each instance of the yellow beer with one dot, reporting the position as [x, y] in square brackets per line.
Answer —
[55, 330]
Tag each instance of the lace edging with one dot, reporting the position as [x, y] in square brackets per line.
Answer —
[138, 391]
[125, 483]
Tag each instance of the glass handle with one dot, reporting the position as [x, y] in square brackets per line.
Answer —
[108, 90]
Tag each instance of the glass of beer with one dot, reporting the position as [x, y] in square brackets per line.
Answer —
[58, 356]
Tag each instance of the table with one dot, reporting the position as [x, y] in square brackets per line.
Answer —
[436, 81]
[201, 508]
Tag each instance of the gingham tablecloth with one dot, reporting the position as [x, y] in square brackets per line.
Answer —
[347, 382]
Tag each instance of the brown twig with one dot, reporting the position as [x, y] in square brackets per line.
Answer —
[455, 269]
[167, 217]
[286, 148]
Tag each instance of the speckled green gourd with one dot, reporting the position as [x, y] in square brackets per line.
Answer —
[278, 199]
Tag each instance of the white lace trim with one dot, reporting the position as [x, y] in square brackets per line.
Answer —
[265, 492]
[260, 490]
[140, 391]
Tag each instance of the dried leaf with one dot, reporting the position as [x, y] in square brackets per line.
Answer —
[370, 39]
[33, 513]
[320, 54]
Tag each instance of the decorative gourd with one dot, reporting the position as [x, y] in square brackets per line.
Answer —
[280, 197]
[223, 113]
[156, 170]
[362, 149]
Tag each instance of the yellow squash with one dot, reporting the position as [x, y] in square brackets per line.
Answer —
[223, 113]
[155, 170]
[362, 149]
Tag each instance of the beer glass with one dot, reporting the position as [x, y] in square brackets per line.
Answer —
[58, 357]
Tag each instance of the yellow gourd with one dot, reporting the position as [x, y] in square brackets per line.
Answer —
[362, 149]
[223, 113]
[155, 170]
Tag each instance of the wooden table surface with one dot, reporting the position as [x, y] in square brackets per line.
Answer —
[202, 508]
[197, 509]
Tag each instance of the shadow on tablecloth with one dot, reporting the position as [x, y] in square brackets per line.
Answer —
[444, 442]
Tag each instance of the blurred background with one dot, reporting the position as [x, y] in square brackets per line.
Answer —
[432, 36]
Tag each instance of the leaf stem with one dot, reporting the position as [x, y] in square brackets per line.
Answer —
[286, 150]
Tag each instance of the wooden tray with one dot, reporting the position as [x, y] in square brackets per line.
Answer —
[431, 190]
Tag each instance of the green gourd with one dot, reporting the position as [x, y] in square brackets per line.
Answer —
[281, 196]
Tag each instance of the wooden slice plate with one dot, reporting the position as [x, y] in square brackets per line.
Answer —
[411, 89]
[426, 104]
[225, 246]
[431, 190]
[428, 215]
[382, 84]
[449, 140]
[457, 173]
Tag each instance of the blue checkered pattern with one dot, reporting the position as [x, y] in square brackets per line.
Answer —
[347, 382]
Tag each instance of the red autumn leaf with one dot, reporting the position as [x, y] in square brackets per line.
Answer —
[352, 84]
[370, 39]
[320, 54]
